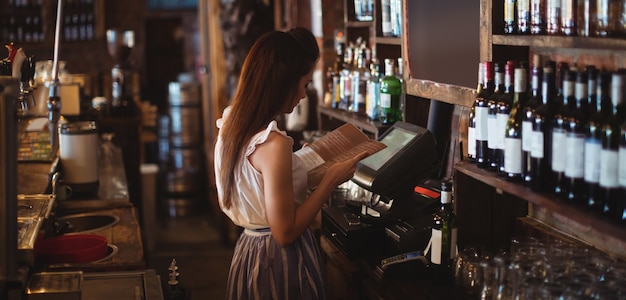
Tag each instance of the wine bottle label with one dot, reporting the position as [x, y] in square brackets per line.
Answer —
[385, 100]
[501, 120]
[435, 247]
[608, 168]
[575, 155]
[621, 173]
[527, 131]
[482, 129]
[492, 131]
[509, 11]
[513, 155]
[536, 150]
[592, 160]
[558, 140]
[471, 142]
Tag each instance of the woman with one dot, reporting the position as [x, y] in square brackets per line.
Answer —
[261, 184]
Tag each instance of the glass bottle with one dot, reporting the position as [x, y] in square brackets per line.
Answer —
[372, 101]
[495, 134]
[386, 17]
[559, 130]
[553, 14]
[609, 191]
[444, 235]
[575, 128]
[482, 112]
[513, 138]
[542, 128]
[345, 90]
[538, 18]
[523, 16]
[471, 128]
[359, 77]
[400, 75]
[335, 74]
[532, 103]
[608, 14]
[568, 17]
[599, 111]
[510, 20]
[585, 15]
[390, 94]
[504, 106]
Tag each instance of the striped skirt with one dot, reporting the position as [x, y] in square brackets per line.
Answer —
[261, 269]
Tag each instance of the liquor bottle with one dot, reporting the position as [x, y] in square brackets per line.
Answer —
[400, 75]
[559, 133]
[532, 103]
[390, 94]
[513, 138]
[568, 17]
[585, 14]
[335, 74]
[386, 17]
[471, 128]
[599, 108]
[504, 106]
[553, 14]
[359, 77]
[482, 111]
[444, 236]
[495, 134]
[542, 129]
[345, 90]
[523, 16]
[372, 101]
[609, 190]
[510, 20]
[605, 17]
[575, 131]
[538, 18]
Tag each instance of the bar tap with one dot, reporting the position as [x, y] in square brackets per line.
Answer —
[54, 101]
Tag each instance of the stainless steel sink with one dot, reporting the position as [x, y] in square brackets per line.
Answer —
[87, 222]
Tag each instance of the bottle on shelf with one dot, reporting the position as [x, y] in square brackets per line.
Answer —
[541, 134]
[400, 75]
[609, 192]
[359, 77]
[608, 13]
[504, 105]
[386, 17]
[390, 95]
[482, 111]
[523, 17]
[372, 100]
[599, 108]
[532, 103]
[575, 131]
[443, 249]
[471, 128]
[553, 15]
[538, 18]
[585, 14]
[513, 137]
[335, 74]
[510, 20]
[559, 138]
[568, 17]
[345, 90]
[495, 134]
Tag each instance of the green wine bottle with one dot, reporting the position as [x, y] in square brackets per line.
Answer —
[390, 95]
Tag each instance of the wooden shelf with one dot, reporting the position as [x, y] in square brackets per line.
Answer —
[448, 93]
[585, 43]
[580, 215]
[362, 122]
[388, 40]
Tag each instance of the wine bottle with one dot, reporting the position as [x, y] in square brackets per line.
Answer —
[400, 75]
[553, 14]
[482, 111]
[504, 106]
[532, 103]
[510, 21]
[568, 17]
[559, 160]
[372, 101]
[599, 111]
[513, 138]
[585, 14]
[471, 128]
[335, 74]
[609, 192]
[542, 128]
[345, 90]
[575, 126]
[444, 236]
[390, 94]
[359, 77]
[495, 134]
[523, 16]
[538, 18]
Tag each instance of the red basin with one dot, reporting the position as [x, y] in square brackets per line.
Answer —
[80, 248]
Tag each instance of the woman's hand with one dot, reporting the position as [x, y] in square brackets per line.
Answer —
[343, 171]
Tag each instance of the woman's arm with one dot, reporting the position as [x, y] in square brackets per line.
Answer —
[288, 220]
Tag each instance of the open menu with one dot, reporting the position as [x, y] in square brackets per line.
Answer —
[338, 145]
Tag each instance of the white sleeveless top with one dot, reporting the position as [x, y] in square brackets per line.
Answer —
[247, 207]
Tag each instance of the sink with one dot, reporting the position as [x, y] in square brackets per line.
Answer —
[87, 222]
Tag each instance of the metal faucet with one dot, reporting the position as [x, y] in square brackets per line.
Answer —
[54, 101]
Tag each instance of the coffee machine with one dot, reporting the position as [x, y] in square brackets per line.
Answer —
[119, 45]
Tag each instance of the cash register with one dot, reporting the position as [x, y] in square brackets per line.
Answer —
[390, 217]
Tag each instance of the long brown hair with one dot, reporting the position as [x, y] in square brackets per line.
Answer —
[268, 81]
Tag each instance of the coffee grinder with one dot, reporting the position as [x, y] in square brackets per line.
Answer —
[120, 44]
